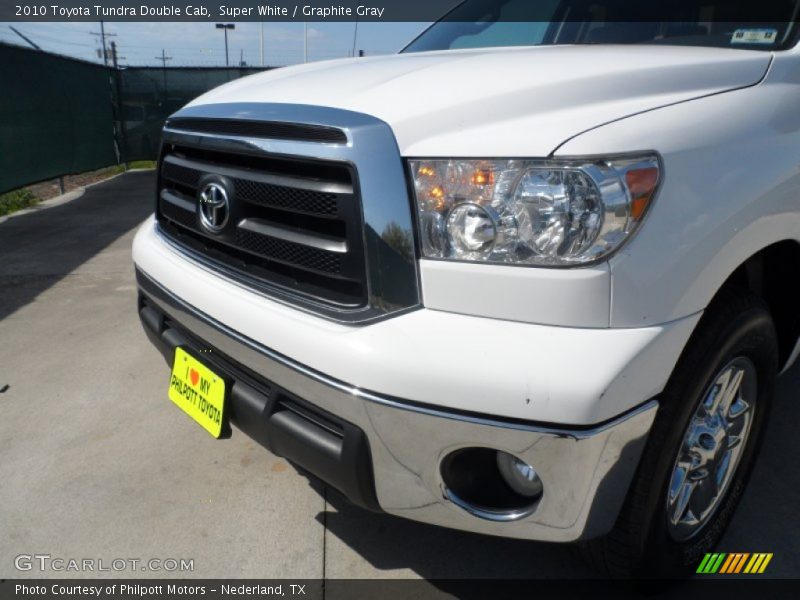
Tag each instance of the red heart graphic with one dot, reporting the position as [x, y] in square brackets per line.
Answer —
[194, 376]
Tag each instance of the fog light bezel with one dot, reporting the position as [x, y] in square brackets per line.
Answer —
[472, 481]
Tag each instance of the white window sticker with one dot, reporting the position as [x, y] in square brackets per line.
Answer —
[754, 36]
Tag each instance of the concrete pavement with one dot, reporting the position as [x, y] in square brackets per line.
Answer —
[97, 463]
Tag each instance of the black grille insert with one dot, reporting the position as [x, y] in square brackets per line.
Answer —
[278, 196]
[289, 252]
[294, 225]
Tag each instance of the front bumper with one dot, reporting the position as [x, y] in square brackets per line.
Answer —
[385, 453]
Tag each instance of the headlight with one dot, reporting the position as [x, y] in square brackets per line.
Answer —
[530, 212]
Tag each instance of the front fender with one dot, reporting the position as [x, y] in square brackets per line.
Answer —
[731, 187]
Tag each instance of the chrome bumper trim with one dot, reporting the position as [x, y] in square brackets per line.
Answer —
[586, 472]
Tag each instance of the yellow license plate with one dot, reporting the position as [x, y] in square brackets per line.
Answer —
[199, 392]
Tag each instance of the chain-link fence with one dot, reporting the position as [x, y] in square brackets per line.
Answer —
[60, 116]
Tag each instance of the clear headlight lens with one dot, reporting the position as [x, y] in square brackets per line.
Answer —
[534, 212]
[471, 229]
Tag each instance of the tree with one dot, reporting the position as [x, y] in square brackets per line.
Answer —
[399, 240]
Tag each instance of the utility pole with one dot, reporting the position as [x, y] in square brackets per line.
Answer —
[261, 39]
[120, 134]
[241, 57]
[114, 54]
[120, 147]
[103, 35]
[163, 58]
[225, 27]
[355, 38]
[305, 41]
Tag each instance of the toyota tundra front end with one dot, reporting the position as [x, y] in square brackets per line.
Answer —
[526, 290]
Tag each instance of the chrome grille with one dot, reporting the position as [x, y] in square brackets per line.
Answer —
[320, 212]
[266, 194]
[294, 223]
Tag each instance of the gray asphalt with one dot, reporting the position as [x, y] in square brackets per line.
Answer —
[97, 463]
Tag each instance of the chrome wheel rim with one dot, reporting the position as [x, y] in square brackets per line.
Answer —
[711, 448]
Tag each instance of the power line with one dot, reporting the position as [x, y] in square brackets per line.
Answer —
[73, 27]
[55, 40]
[24, 38]
[189, 56]
[85, 55]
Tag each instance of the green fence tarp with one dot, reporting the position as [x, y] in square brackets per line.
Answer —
[60, 116]
[55, 117]
[149, 95]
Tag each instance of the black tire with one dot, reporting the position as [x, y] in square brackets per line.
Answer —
[736, 324]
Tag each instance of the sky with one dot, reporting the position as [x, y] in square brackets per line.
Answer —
[200, 44]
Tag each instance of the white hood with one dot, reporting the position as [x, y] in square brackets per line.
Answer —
[504, 101]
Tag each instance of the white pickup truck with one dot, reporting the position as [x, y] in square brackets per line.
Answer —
[532, 280]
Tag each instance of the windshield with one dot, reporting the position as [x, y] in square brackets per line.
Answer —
[488, 23]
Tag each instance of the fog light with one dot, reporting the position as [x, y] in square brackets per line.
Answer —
[519, 475]
[490, 484]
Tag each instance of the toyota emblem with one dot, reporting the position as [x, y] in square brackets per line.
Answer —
[214, 207]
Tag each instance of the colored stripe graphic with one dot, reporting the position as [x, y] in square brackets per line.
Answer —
[717, 564]
[765, 563]
[759, 562]
[732, 559]
[701, 568]
[711, 563]
[741, 562]
[734, 562]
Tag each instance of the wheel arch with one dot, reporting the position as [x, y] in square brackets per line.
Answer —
[773, 273]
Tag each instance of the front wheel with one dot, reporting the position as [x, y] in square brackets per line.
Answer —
[701, 447]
